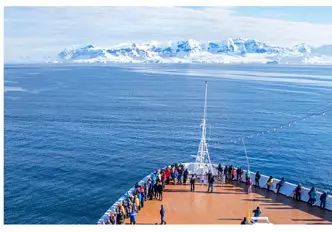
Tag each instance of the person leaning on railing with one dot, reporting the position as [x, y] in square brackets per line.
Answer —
[269, 182]
[312, 195]
[257, 178]
[280, 184]
[298, 192]
[323, 198]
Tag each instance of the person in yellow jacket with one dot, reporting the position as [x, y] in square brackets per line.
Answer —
[138, 205]
[269, 183]
[122, 209]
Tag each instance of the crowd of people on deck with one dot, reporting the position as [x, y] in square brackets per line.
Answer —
[177, 174]
[232, 173]
[151, 189]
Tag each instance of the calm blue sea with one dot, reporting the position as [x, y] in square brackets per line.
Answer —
[77, 137]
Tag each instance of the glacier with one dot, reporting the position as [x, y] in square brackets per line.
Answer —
[230, 51]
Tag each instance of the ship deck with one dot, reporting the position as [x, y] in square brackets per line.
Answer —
[228, 204]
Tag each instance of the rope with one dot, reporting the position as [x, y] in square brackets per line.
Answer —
[276, 129]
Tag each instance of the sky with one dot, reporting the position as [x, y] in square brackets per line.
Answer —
[34, 33]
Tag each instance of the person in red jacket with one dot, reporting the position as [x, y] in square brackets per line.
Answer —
[168, 175]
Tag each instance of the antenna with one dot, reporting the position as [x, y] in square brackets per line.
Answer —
[203, 157]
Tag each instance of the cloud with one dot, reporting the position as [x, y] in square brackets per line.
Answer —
[42, 31]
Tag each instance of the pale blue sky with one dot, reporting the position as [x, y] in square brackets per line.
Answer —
[38, 32]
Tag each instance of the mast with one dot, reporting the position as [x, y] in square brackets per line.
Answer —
[203, 162]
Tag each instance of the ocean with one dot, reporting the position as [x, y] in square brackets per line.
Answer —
[77, 137]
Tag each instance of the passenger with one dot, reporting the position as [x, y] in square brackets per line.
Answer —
[151, 190]
[312, 195]
[156, 193]
[133, 217]
[185, 176]
[241, 174]
[137, 203]
[113, 219]
[257, 178]
[141, 190]
[122, 208]
[162, 215]
[230, 168]
[225, 171]
[168, 175]
[192, 182]
[323, 198]
[203, 179]
[175, 176]
[145, 191]
[247, 175]
[130, 206]
[269, 182]
[219, 170]
[120, 218]
[280, 184]
[160, 191]
[126, 208]
[238, 170]
[297, 192]
[180, 175]
[244, 221]
[257, 212]
[249, 182]
[161, 175]
[209, 175]
[154, 175]
[211, 182]
[233, 173]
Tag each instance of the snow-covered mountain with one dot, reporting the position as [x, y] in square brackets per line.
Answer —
[190, 51]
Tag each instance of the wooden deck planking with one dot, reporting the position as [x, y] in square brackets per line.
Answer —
[228, 204]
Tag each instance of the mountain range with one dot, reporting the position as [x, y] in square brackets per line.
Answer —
[232, 50]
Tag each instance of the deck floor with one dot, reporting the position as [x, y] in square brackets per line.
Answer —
[228, 204]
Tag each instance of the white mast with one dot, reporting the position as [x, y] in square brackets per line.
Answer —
[203, 162]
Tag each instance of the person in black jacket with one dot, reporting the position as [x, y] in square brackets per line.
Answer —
[160, 191]
[244, 221]
[323, 198]
[185, 176]
[257, 178]
[192, 182]
[225, 172]
[211, 182]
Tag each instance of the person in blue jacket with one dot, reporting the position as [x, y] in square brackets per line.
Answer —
[162, 214]
[312, 195]
[175, 175]
[280, 184]
[257, 212]
[133, 217]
